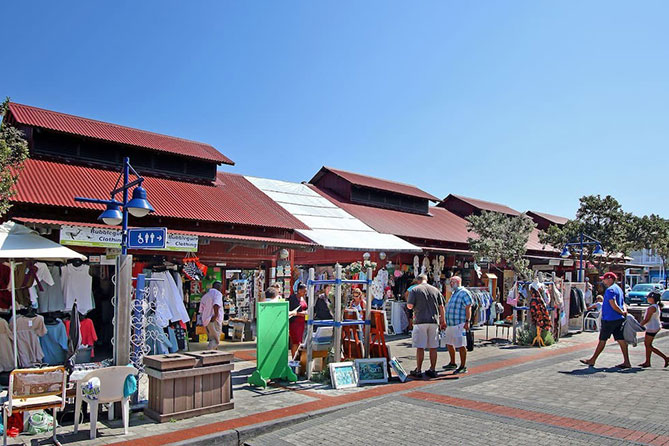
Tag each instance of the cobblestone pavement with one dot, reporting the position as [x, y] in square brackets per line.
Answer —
[502, 374]
[552, 399]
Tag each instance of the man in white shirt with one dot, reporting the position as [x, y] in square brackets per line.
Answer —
[211, 310]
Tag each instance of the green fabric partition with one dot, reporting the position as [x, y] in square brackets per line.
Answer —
[272, 344]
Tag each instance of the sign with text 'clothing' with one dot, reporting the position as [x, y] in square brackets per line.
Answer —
[147, 238]
[111, 238]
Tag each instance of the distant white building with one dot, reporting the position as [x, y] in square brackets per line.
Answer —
[652, 271]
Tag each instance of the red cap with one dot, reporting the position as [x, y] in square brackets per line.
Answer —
[609, 275]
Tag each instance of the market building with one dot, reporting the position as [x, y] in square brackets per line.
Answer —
[214, 219]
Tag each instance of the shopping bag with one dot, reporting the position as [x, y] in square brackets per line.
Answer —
[470, 341]
[40, 422]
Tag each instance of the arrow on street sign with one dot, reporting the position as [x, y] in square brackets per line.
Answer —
[147, 238]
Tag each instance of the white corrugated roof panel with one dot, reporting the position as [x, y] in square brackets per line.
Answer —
[331, 226]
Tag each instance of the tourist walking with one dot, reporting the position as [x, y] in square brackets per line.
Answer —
[651, 321]
[458, 315]
[427, 304]
[210, 310]
[613, 320]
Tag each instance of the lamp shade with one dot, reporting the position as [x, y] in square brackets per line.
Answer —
[139, 206]
[565, 252]
[598, 250]
[112, 216]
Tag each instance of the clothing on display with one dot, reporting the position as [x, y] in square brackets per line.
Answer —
[28, 332]
[43, 279]
[539, 313]
[576, 303]
[54, 343]
[50, 298]
[24, 278]
[87, 333]
[5, 292]
[77, 287]
[168, 299]
[483, 308]
[6, 347]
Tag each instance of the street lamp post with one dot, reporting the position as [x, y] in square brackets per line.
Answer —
[583, 240]
[117, 213]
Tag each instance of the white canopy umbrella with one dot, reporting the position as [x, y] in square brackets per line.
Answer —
[20, 243]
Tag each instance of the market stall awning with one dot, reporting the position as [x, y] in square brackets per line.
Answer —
[330, 226]
[232, 238]
[355, 241]
[19, 242]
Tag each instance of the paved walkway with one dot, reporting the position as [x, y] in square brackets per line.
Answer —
[506, 377]
[549, 399]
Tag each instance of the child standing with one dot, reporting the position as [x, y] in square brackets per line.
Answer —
[652, 323]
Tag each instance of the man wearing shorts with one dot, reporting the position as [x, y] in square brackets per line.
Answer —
[613, 320]
[428, 313]
[458, 314]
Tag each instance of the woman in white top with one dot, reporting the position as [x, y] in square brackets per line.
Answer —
[652, 323]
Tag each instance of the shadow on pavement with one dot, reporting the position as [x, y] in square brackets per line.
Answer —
[594, 370]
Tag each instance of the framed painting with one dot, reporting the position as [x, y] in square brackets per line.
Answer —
[399, 370]
[343, 375]
[372, 370]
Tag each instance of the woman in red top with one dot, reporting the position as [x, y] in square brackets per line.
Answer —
[297, 306]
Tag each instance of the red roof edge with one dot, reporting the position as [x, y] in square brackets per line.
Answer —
[376, 183]
[106, 131]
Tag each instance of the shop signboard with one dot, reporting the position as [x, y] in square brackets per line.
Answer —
[147, 238]
[111, 238]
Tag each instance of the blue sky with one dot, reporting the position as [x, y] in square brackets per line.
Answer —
[528, 103]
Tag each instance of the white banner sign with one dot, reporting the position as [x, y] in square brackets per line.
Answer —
[111, 238]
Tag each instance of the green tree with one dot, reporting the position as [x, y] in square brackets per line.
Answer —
[604, 220]
[502, 239]
[13, 151]
[652, 233]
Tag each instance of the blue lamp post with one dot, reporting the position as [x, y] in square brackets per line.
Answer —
[117, 211]
[583, 240]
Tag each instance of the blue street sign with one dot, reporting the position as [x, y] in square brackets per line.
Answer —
[147, 238]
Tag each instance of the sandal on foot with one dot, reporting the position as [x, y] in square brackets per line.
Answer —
[624, 366]
[586, 362]
[644, 365]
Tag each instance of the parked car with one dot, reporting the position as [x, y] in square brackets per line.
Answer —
[640, 291]
[664, 315]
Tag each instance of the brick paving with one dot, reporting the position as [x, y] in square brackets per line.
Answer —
[550, 398]
[492, 366]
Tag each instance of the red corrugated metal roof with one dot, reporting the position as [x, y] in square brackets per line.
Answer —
[378, 183]
[214, 235]
[232, 199]
[485, 205]
[61, 122]
[533, 243]
[555, 219]
[441, 225]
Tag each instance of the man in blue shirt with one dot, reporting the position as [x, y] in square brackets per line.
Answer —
[613, 320]
[458, 315]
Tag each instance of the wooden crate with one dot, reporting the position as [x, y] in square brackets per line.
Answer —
[179, 394]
